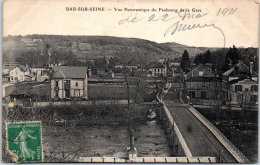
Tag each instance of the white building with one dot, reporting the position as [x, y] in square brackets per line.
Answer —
[69, 82]
[129, 67]
[156, 69]
[20, 73]
[244, 92]
[41, 74]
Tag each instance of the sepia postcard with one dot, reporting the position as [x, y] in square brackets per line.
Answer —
[153, 81]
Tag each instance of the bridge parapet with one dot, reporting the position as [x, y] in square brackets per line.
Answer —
[235, 152]
[172, 125]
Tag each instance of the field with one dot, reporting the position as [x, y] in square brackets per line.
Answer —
[41, 91]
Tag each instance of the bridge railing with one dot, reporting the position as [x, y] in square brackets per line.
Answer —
[236, 153]
[175, 127]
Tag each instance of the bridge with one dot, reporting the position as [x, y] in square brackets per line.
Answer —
[193, 138]
[200, 137]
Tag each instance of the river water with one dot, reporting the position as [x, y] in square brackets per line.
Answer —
[93, 139]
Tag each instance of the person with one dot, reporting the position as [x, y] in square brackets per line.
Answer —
[21, 139]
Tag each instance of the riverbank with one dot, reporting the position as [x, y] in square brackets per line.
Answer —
[80, 131]
[240, 127]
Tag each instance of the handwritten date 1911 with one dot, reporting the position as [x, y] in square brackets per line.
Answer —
[179, 25]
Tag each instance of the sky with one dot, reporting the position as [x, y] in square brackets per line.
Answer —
[206, 28]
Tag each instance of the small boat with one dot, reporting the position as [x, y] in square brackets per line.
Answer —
[151, 114]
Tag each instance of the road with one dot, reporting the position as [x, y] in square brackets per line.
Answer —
[198, 137]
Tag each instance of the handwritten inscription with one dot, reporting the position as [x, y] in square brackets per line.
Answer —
[179, 18]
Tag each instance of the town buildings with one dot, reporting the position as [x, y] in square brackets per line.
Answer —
[156, 69]
[129, 67]
[237, 83]
[41, 74]
[202, 83]
[69, 82]
[244, 93]
[20, 73]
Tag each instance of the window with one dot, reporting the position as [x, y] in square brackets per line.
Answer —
[253, 98]
[239, 98]
[56, 83]
[76, 93]
[203, 95]
[238, 88]
[76, 84]
[254, 88]
[192, 94]
[246, 89]
[200, 73]
[56, 94]
[203, 84]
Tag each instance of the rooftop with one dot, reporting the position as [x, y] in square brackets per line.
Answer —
[155, 65]
[239, 69]
[69, 72]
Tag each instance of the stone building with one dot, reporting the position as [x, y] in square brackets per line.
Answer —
[69, 82]
[202, 83]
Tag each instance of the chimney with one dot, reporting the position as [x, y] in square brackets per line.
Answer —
[89, 72]
[251, 68]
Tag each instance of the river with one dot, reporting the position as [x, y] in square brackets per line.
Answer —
[94, 138]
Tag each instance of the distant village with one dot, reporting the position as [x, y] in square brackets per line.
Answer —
[237, 86]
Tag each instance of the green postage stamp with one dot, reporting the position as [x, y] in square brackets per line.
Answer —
[24, 141]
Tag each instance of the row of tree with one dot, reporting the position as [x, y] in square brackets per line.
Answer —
[221, 59]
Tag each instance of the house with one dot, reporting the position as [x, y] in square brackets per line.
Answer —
[156, 69]
[236, 73]
[174, 64]
[69, 82]
[102, 72]
[244, 92]
[20, 73]
[7, 67]
[6, 73]
[36, 40]
[41, 74]
[129, 67]
[202, 83]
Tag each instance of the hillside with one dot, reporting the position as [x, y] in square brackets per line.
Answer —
[90, 47]
[192, 50]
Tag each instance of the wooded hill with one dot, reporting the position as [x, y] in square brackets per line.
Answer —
[33, 49]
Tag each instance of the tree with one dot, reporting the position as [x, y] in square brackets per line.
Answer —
[185, 63]
[203, 58]
[207, 57]
[233, 55]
